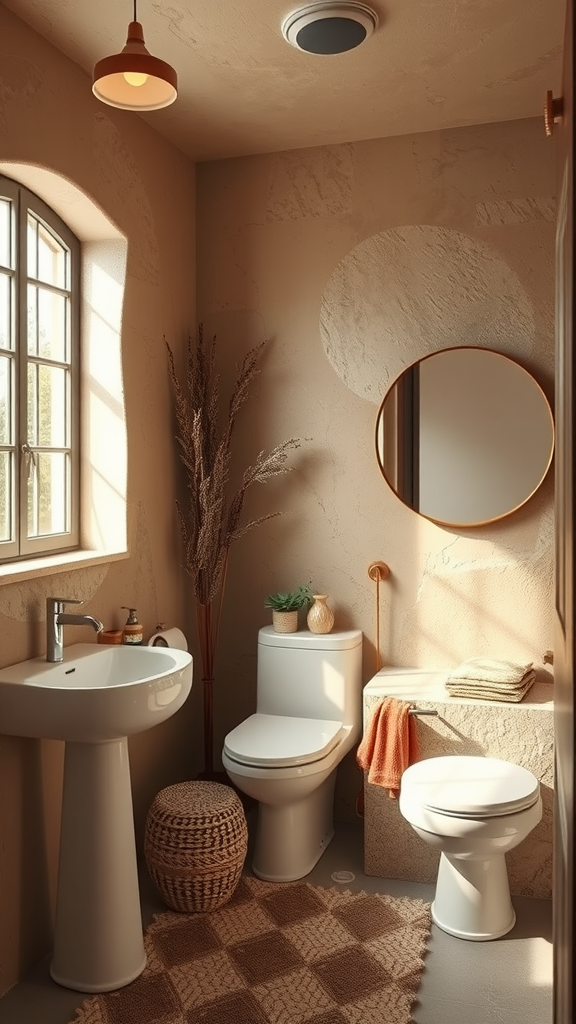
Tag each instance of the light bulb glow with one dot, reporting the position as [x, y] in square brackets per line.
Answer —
[135, 78]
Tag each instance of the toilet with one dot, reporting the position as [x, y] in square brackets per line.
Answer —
[308, 716]
[473, 810]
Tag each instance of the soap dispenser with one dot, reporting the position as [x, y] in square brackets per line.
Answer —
[133, 631]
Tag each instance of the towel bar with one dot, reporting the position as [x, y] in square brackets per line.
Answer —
[422, 711]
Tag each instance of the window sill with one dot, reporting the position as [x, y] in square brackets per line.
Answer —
[49, 565]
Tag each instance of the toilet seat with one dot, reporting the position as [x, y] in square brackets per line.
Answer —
[279, 741]
[467, 787]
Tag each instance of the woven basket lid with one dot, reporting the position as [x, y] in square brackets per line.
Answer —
[194, 800]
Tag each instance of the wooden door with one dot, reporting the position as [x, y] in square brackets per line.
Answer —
[565, 477]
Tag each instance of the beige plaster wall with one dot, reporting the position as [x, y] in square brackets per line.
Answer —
[49, 117]
[354, 260]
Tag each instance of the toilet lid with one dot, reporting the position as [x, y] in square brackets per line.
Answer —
[279, 741]
[469, 786]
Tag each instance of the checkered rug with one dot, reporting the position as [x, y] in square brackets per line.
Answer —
[277, 954]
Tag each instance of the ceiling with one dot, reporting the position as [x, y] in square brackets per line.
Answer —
[243, 89]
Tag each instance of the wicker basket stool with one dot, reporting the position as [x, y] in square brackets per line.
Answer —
[195, 844]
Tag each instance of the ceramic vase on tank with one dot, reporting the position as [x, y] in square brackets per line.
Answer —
[320, 617]
[285, 622]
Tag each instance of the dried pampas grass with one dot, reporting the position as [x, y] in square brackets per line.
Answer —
[210, 520]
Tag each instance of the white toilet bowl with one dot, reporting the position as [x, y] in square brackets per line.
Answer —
[473, 810]
[295, 796]
[285, 755]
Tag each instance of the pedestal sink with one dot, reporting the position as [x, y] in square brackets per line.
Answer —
[94, 699]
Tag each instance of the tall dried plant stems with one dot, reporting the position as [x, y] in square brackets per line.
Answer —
[209, 522]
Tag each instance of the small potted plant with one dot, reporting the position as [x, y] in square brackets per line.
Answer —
[285, 607]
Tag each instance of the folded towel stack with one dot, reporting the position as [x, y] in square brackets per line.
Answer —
[491, 679]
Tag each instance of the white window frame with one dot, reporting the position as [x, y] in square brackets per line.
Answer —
[24, 451]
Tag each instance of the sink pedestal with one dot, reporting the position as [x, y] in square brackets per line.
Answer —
[94, 699]
[98, 942]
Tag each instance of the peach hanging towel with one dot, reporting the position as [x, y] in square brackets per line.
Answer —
[389, 744]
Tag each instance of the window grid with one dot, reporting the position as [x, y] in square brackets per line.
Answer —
[39, 457]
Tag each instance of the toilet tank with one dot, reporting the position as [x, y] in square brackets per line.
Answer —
[310, 675]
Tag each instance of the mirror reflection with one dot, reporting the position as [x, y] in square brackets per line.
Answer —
[464, 436]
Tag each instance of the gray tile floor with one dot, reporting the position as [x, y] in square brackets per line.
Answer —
[508, 981]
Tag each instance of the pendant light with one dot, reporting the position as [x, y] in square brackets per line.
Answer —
[134, 79]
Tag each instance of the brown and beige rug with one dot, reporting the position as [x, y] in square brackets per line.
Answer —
[277, 954]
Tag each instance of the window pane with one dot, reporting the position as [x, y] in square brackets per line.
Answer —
[6, 463]
[6, 326]
[32, 245]
[6, 233]
[47, 406]
[6, 419]
[47, 256]
[32, 408]
[48, 495]
[32, 310]
[52, 310]
[47, 324]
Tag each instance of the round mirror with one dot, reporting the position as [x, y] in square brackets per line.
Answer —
[464, 436]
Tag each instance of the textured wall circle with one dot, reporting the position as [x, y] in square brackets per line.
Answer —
[412, 290]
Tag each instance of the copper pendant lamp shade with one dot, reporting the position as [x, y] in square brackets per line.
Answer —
[134, 79]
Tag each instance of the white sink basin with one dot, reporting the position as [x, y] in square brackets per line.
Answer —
[97, 693]
[94, 699]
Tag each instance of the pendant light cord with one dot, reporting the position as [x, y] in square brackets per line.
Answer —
[135, 13]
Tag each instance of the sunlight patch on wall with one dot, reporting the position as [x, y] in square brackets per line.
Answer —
[412, 290]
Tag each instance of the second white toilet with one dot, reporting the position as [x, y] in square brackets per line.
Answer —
[473, 810]
[285, 756]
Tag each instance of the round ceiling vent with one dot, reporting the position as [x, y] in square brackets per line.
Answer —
[329, 27]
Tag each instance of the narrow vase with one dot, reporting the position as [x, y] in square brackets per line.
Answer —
[320, 617]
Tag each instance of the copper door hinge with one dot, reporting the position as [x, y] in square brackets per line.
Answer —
[553, 110]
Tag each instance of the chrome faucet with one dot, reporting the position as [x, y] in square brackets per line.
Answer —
[56, 617]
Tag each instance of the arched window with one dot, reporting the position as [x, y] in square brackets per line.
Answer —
[63, 496]
[39, 377]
